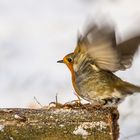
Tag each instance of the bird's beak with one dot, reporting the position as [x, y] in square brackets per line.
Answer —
[60, 61]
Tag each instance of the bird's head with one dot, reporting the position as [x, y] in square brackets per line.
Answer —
[68, 60]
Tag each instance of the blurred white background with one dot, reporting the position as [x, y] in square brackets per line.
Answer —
[34, 34]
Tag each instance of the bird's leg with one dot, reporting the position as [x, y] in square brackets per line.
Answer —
[75, 102]
[96, 104]
[78, 101]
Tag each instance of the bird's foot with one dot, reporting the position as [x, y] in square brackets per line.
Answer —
[97, 105]
[76, 103]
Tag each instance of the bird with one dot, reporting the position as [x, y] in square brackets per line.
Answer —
[95, 60]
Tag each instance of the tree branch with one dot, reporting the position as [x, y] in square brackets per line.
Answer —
[64, 122]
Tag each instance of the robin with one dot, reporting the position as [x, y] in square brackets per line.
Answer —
[93, 63]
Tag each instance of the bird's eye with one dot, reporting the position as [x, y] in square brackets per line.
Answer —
[69, 60]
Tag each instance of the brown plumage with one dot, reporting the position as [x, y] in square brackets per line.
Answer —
[95, 58]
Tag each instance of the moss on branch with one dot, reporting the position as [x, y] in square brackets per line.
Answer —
[57, 123]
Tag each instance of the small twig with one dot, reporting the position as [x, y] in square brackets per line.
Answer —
[56, 99]
[37, 101]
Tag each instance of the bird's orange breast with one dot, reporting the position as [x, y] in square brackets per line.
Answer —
[70, 66]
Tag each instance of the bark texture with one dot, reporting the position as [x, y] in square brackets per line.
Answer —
[65, 122]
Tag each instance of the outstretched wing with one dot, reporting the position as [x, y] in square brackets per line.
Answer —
[98, 47]
[127, 50]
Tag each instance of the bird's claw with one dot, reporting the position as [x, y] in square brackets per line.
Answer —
[74, 103]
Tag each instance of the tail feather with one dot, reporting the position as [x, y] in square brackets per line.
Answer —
[128, 88]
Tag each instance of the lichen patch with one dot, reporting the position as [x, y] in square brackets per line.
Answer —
[83, 128]
[2, 127]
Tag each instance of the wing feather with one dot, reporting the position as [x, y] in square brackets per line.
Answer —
[98, 46]
[127, 50]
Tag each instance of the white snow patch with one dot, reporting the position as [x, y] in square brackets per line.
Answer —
[100, 125]
[82, 129]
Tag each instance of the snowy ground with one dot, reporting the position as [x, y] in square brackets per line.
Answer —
[35, 34]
